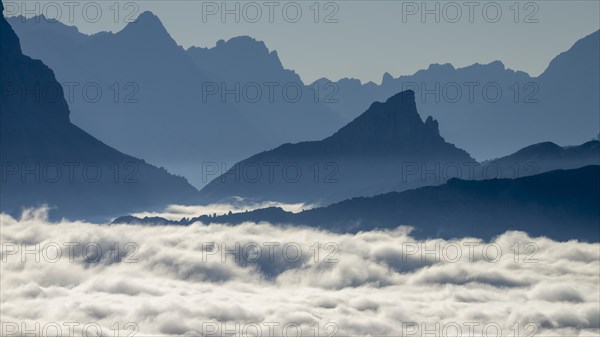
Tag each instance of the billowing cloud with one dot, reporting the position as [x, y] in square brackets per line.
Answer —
[259, 279]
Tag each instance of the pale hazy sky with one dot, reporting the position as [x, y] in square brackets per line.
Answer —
[369, 37]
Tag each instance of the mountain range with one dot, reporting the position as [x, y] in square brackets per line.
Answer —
[389, 148]
[48, 160]
[485, 109]
[490, 110]
[169, 105]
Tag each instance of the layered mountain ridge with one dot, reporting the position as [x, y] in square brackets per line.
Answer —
[48, 160]
[170, 100]
[561, 204]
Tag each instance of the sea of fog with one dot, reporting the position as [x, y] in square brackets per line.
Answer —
[83, 279]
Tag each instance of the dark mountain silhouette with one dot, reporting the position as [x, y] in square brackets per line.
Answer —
[561, 204]
[168, 111]
[561, 104]
[46, 159]
[386, 148]
[542, 157]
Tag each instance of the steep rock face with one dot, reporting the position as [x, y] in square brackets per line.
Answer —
[372, 154]
[24, 104]
[394, 128]
[47, 160]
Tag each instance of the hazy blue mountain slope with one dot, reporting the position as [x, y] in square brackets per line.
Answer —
[47, 159]
[542, 157]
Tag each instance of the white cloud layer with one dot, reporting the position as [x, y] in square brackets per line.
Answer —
[170, 280]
